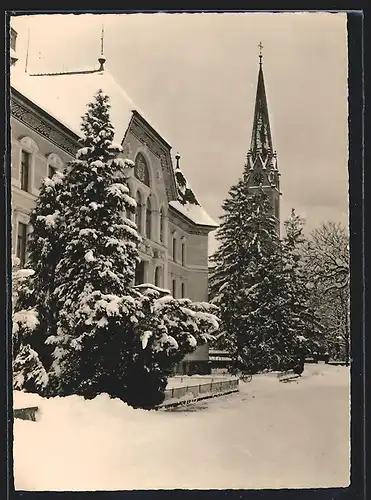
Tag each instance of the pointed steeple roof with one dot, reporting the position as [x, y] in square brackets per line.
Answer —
[261, 139]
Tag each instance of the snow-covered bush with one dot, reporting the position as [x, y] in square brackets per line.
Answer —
[28, 371]
[165, 332]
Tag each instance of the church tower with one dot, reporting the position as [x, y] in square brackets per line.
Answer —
[261, 163]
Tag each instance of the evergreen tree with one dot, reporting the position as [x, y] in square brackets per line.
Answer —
[98, 260]
[44, 250]
[304, 322]
[247, 282]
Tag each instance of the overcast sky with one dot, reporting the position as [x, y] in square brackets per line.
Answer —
[195, 75]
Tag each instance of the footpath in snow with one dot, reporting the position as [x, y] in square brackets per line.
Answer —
[269, 435]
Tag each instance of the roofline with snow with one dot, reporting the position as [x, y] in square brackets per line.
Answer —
[39, 120]
[206, 227]
[64, 73]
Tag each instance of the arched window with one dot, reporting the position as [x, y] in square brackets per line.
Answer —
[29, 148]
[148, 218]
[174, 247]
[54, 163]
[141, 170]
[162, 225]
[157, 276]
[25, 170]
[138, 213]
[174, 288]
[183, 290]
[183, 253]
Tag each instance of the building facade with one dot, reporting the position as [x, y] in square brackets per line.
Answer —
[46, 111]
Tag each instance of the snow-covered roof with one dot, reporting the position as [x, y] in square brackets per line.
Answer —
[195, 213]
[150, 286]
[65, 97]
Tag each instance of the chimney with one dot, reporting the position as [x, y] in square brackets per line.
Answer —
[13, 43]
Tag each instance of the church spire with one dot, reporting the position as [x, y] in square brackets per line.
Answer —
[261, 139]
[261, 166]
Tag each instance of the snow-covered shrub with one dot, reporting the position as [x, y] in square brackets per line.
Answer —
[28, 371]
[166, 331]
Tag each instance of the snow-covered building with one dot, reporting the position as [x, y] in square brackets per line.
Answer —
[46, 111]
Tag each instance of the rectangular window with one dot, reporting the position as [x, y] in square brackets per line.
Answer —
[22, 243]
[174, 248]
[139, 273]
[25, 170]
[51, 171]
[174, 289]
[183, 254]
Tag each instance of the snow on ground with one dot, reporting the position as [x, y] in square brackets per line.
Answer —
[270, 435]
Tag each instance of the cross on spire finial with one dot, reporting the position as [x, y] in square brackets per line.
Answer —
[102, 59]
[260, 53]
[102, 41]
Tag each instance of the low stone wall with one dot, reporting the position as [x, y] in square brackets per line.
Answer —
[196, 392]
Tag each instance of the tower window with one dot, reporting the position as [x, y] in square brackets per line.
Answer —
[277, 208]
[22, 243]
[25, 170]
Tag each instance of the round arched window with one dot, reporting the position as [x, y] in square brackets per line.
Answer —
[141, 170]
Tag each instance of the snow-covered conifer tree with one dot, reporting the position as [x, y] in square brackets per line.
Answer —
[250, 285]
[304, 321]
[97, 264]
[245, 278]
[44, 247]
